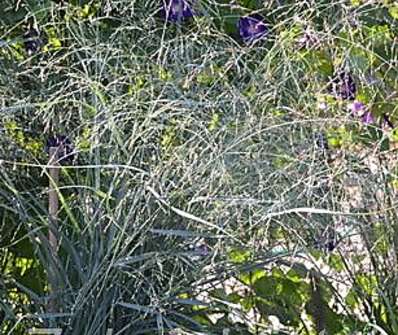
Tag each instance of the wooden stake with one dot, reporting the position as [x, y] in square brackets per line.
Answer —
[53, 206]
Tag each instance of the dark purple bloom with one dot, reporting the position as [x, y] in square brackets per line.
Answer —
[64, 147]
[343, 86]
[321, 141]
[177, 10]
[327, 242]
[387, 121]
[252, 28]
[199, 250]
[367, 118]
[202, 250]
[32, 41]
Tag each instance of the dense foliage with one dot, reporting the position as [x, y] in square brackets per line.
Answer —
[225, 167]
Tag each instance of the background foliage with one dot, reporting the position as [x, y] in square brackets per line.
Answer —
[216, 185]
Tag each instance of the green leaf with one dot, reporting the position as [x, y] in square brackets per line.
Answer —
[23, 248]
[247, 303]
[164, 74]
[294, 276]
[351, 299]
[317, 61]
[31, 280]
[214, 122]
[251, 4]
[267, 287]
[393, 10]
[291, 293]
[360, 59]
[234, 298]
[239, 256]
[335, 262]
[286, 314]
[321, 310]
[368, 283]
[249, 278]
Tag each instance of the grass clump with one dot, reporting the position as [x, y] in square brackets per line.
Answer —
[217, 182]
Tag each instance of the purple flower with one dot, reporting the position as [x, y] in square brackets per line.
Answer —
[252, 28]
[343, 86]
[357, 107]
[367, 118]
[32, 41]
[65, 150]
[177, 10]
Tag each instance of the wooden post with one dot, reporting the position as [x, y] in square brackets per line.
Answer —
[53, 206]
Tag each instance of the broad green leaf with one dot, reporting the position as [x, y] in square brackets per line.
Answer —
[249, 278]
[393, 10]
[239, 256]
